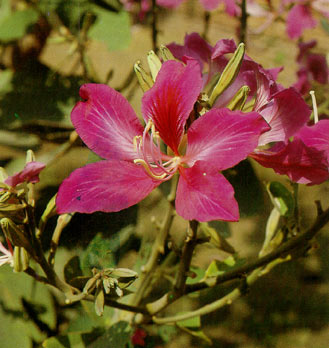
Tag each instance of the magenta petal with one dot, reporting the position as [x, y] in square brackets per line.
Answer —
[169, 3]
[209, 5]
[302, 164]
[204, 194]
[316, 136]
[107, 186]
[222, 47]
[286, 113]
[223, 137]
[299, 18]
[30, 173]
[169, 102]
[106, 122]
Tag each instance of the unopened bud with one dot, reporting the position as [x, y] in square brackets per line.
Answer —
[238, 101]
[229, 74]
[21, 259]
[144, 78]
[30, 156]
[166, 54]
[154, 63]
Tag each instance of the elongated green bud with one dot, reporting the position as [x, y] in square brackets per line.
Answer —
[154, 63]
[144, 78]
[238, 101]
[48, 213]
[166, 54]
[21, 259]
[229, 74]
[30, 156]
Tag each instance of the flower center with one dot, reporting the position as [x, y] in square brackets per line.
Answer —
[156, 164]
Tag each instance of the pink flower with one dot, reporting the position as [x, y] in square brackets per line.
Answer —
[30, 173]
[135, 164]
[312, 66]
[300, 15]
[284, 110]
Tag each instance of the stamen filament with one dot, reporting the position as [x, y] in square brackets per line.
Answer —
[315, 107]
[148, 170]
[151, 158]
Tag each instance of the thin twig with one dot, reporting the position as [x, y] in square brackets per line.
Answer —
[158, 247]
[288, 247]
[206, 22]
[241, 272]
[185, 262]
[243, 21]
[154, 26]
[226, 300]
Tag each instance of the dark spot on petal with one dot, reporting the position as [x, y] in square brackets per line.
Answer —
[79, 198]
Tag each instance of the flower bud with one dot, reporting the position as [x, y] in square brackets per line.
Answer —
[229, 74]
[144, 78]
[154, 63]
[238, 101]
[21, 259]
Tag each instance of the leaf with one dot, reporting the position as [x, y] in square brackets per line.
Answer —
[199, 274]
[13, 25]
[74, 340]
[86, 319]
[98, 254]
[117, 336]
[217, 268]
[111, 28]
[13, 287]
[101, 252]
[192, 326]
[72, 269]
[281, 198]
[22, 104]
[248, 190]
[5, 81]
[216, 238]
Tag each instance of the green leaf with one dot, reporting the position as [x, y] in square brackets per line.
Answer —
[216, 238]
[86, 319]
[247, 188]
[217, 268]
[199, 274]
[111, 28]
[98, 254]
[72, 269]
[13, 25]
[281, 198]
[117, 336]
[192, 326]
[5, 81]
[74, 340]
[13, 316]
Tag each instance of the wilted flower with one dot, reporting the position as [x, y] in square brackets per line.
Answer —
[135, 163]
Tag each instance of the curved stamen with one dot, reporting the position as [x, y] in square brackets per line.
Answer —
[152, 160]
